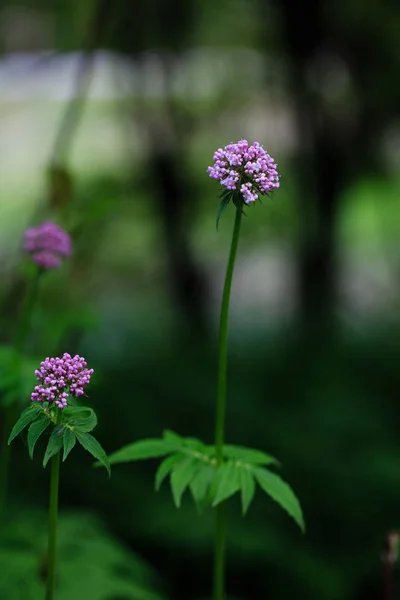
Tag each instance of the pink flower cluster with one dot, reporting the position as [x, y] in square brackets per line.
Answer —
[60, 378]
[247, 169]
[47, 244]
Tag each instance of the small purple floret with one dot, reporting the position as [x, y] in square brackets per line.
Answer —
[249, 170]
[47, 244]
[60, 378]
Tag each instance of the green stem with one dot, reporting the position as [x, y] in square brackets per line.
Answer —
[220, 532]
[53, 516]
[223, 342]
[9, 411]
[219, 553]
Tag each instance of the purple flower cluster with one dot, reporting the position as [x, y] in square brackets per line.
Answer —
[60, 378]
[247, 169]
[47, 244]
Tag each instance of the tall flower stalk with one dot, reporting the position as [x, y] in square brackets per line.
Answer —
[215, 473]
[46, 244]
[220, 531]
[244, 172]
[60, 380]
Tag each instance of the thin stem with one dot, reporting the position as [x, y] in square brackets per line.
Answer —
[53, 517]
[9, 412]
[223, 342]
[219, 553]
[220, 531]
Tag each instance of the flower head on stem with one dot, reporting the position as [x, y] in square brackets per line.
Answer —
[48, 244]
[245, 172]
[59, 378]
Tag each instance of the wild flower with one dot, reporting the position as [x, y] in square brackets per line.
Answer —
[48, 244]
[248, 170]
[60, 378]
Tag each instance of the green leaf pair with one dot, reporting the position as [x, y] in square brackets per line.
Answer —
[76, 422]
[192, 465]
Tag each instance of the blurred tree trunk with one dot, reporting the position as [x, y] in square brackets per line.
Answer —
[321, 166]
[167, 133]
[173, 197]
[335, 145]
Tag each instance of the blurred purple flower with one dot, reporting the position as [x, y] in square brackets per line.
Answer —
[249, 170]
[60, 378]
[47, 244]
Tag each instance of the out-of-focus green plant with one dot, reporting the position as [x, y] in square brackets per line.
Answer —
[92, 564]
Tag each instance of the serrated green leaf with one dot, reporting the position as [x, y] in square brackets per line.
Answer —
[35, 431]
[142, 450]
[165, 468]
[201, 482]
[228, 482]
[90, 444]
[181, 476]
[55, 444]
[247, 487]
[80, 418]
[249, 455]
[281, 492]
[27, 416]
[69, 441]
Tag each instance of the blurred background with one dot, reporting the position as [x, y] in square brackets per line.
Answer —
[110, 112]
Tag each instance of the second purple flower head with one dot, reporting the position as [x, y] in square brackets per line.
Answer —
[48, 244]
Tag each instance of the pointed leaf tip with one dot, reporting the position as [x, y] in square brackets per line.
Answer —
[27, 416]
[89, 443]
[142, 450]
[165, 468]
[201, 483]
[69, 441]
[35, 431]
[247, 487]
[55, 444]
[181, 476]
[228, 482]
[281, 492]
